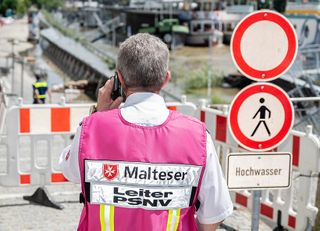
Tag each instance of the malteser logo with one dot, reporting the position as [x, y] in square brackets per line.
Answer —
[110, 171]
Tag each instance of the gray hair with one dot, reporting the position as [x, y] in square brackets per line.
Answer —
[143, 61]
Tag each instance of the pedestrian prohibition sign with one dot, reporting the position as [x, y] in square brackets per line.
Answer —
[261, 117]
[264, 45]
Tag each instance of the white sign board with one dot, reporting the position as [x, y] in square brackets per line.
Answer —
[256, 171]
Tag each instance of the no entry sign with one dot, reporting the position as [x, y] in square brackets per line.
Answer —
[264, 45]
[261, 116]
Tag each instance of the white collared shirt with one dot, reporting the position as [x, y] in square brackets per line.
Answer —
[148, 109]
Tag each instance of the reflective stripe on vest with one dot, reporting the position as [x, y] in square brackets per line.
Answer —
[173, 219]
[40, 96]
[40, 84]
[107, 217]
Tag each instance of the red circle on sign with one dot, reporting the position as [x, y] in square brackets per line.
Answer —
[234, 127]
[243, 66]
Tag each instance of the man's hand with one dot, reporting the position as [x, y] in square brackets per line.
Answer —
[104, 97]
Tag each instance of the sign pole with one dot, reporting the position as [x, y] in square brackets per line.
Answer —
[255, 210]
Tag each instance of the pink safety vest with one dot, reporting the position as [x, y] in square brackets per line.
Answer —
[140, 178]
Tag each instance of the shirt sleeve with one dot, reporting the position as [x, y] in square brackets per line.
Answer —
[214, 197]
[68, 161]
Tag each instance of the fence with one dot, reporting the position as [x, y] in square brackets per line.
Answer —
[52, 125]
[295, 205]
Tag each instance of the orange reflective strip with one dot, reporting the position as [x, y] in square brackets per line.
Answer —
[58, 177]
[173, 108]
[24, 120]
[60, 119]
[25, 179]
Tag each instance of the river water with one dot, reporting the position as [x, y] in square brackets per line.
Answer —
[183, 61]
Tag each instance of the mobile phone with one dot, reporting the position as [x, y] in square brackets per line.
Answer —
[117, 89]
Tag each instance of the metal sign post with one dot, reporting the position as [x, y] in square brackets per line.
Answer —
[255, 210]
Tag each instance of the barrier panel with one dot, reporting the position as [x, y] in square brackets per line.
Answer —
[295, 207]
[42, 125]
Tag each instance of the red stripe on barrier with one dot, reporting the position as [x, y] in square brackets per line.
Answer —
[24, 120]
[173, 108]
[292, 221]
[25, 179]
[60, 119]
[58, 177]
[266, 210]
[242, 200]
[221, 128]
[202, 116]
[295, 150]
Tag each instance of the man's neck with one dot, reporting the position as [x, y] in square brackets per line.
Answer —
[132, 90]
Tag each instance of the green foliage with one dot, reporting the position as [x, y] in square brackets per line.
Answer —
[199, 79]
[65, 31]
[21, 6]
[7, 4]
[217, 100]
[48, 4]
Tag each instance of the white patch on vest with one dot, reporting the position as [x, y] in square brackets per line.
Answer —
[151, 198]
[133, 173]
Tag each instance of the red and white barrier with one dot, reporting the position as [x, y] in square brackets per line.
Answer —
[44, 122]
[296, 204]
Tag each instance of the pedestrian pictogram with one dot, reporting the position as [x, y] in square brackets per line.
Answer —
[264, 45]
[262, 111]
[260, 117]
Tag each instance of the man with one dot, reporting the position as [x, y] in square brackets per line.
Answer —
[143, 167]
[40, 88]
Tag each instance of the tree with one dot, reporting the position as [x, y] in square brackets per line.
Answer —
[7, 4]
[21, 6]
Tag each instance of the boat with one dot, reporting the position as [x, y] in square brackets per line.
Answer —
[169, 30]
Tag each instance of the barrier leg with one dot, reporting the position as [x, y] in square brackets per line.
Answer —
[279, 226]
[42, 197]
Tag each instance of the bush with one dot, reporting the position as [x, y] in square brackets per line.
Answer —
[217, 100]
[198, 79]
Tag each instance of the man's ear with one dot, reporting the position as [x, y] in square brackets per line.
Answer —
[121, 79]
[167, 79]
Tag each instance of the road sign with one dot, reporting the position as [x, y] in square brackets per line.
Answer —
[264, 45]
[256, 171]
[260, 117]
